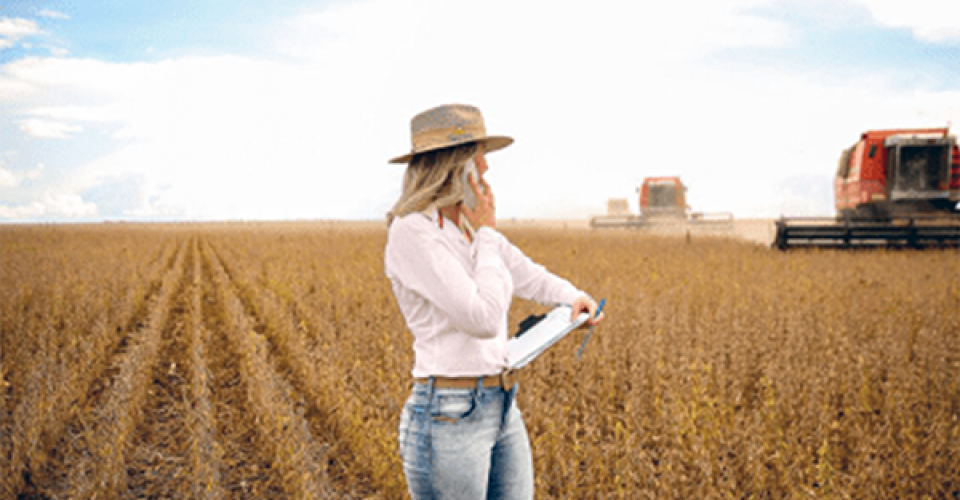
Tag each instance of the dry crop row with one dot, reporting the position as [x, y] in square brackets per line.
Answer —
[205, 455]
[271, 361]
[725, 369]
[101, 466]
[63, 319]
[129, 368]
[295, 454]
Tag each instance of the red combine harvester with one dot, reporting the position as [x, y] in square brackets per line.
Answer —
[663, 205]
[894, 188]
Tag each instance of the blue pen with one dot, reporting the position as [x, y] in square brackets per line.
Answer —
[590, 331]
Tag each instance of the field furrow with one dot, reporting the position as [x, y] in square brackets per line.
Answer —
[247, 468]
[317, 313]
[297, 457]
[294, 350]
[91, 454]
[158, 464]
[204, 453]
[58, 383]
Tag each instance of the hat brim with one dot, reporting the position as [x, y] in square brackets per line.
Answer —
[491, 143]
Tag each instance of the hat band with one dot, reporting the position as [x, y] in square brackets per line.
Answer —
[428, 139]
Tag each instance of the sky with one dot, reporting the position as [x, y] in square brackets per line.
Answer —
[246, 110]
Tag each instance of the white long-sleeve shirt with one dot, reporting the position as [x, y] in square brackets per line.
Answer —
[455, 295]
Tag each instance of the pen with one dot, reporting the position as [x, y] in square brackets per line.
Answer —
[590, 330]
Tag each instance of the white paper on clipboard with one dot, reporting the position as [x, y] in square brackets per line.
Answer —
[553, 327]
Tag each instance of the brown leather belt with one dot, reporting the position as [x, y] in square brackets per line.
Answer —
[505, 380]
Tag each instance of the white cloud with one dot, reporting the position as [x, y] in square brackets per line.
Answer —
[59, 205]
[67, 205]
[234, 137]
[597, 98]
[48, 129]
[8, 179]
[34, 173]
[13, 29]
[929, 20]
[30, 210]
[11, 88]
[52, 14]
[93, 77]
[11, 179]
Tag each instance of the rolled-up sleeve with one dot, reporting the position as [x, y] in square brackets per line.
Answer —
[421, 259]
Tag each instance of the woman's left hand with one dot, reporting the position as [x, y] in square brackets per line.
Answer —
[585, 304]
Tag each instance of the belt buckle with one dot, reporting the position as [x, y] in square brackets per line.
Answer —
[507, 379]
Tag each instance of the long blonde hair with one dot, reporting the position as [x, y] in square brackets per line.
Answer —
[433, 178]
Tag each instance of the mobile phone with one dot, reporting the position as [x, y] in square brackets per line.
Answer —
[469, 196]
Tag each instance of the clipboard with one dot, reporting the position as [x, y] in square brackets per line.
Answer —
[554, 326]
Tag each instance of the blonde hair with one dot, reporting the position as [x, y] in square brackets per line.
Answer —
[433, 178]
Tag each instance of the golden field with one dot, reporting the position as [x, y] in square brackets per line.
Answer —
[269, 360]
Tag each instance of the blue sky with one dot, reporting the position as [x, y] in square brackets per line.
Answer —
[127, 31]
[246, 110]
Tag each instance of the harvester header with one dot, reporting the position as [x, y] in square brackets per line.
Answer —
[893, 188]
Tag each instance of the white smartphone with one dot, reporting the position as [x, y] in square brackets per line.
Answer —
[469, 196]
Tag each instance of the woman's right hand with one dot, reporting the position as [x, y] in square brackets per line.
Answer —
[485, 213]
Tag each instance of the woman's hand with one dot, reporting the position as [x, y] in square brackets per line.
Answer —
[485, 213]
[585, 304]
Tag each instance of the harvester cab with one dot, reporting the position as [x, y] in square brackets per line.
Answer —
[894, 188]
[663, 197]
[919, 172]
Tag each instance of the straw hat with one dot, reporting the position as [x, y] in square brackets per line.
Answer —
[450, 125]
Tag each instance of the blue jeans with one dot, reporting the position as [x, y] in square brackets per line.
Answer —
[465, 443]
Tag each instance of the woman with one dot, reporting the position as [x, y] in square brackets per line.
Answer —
[461, 434]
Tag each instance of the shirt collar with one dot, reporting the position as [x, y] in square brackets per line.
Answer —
[433, 213]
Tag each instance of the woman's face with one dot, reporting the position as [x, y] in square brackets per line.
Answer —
[481, 161]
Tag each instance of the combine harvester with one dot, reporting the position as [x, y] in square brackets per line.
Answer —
[663, 206]
[894, 189]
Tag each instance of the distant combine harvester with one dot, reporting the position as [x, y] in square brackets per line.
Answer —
[663, 206]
